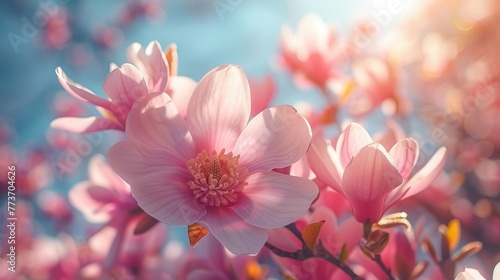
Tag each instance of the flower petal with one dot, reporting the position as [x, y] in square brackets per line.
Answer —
[93, 210]
[422, 179]
[324, 162]
[80, 92]
[219, 108]
[85, 125]
[101, 174]
[470, 274]
[155, 122]
[233, 232]
[262, 91]
[152, 63]
[132, 160]
[180, 90]
[272, 200]
[367, 181]
[166, 197]
[277, 137]
[124, 85]
[405, 155]
[351, 140]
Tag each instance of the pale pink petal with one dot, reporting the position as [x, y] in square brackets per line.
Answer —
[238, 236]
[85, 125]
[275, 138]
[101, 174]
[496, 271]
[152, 63]
[324, 163]
[219, 108]
[262, 93]
[132, 160]
[367, 181]
[124, 86]
[302, 169]
[94, 210]
[313, 31]
[112, 66]
[470, 274]
[405, 155]
[421, 180]
[80, 92]
[351, 140]
[155, 122]
[166, 197]
[391, 136]
[272, 200]
[180, 90]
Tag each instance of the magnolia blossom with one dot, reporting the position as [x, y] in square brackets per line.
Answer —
[371, 178]
[148, 72]
[313, 54]
[107, 199]
[376, 84]
[212, 167]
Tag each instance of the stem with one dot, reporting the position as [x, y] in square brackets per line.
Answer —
[293, 228]
[305, 253]
[387, 270]
[323, 253]
[299, 255]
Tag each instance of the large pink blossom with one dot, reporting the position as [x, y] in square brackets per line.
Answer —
[371, 178]
[212, 167]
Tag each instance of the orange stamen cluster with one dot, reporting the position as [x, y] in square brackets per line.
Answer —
[217, 177]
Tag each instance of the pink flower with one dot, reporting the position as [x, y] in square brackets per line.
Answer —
[123, 86]
[262, 92]
[313, 54]
[371, 178]
[105, 196]
[376, 84]
[213, 168]
[149, 72]
[107, 199]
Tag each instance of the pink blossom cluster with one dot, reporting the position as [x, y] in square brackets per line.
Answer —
[301, 191]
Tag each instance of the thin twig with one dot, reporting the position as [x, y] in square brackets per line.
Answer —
[387, 270]
[305, 253]
[293, 228]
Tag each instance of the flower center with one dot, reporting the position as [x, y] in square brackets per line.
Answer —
[217, 177]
